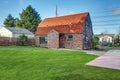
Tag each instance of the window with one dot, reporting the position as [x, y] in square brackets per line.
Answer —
[43, 39]
[69, 37]
[52, 36]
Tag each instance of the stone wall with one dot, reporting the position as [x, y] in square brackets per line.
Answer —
[76, 43]
[53, 39]
[37, 42]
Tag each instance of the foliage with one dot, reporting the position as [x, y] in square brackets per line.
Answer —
[9, 21]
[23, 39]
[95, 42]
[29, 19]
[117, 40]
[26, 63]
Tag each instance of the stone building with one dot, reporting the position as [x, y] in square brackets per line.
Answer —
[70, 31]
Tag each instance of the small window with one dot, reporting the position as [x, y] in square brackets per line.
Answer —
[52, 36]
[43, 39]
[69, 37]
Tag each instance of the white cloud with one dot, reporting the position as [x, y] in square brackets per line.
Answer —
[116, 12]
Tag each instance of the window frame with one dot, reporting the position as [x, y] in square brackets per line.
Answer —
[43, 39]
[69, 37]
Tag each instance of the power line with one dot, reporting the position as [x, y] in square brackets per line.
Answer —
[104, 27]
[106, 24]
[110, 20]
[105, 16]
[104, 11]
[105, 19]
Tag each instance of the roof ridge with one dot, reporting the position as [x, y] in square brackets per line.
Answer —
[64, 20]
[19, 30]
[16, 28]
[69, 15]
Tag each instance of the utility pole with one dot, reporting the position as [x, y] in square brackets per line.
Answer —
[56, 12]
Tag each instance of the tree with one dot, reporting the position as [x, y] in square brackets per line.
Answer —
[119, 30]
[95, 42]
[29, 19]
[117, 40]
[9, 21]
[23, 39]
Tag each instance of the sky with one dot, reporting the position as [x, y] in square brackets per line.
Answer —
[105, 14]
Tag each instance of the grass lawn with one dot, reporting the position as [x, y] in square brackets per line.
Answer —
[32, 63]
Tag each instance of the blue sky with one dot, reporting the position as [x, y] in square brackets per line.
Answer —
[105, 14]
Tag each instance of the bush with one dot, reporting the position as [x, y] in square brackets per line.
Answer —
[23, 40]
[95, 42]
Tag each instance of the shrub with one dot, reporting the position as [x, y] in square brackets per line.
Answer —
[23, 40]
[95, 42]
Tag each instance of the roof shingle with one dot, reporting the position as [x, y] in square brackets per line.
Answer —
[63, 24]
[19, 30]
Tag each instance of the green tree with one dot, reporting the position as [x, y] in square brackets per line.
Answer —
[29, 19]
[9, 21]
[117, 40]
[23, 39]
[95, 42]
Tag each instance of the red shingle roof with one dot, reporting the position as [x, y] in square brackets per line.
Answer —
[63, 24]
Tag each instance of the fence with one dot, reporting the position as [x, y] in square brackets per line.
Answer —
[14, 41]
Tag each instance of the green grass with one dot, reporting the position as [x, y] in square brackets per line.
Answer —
[33, 63]
[117, 47]
[20, 47]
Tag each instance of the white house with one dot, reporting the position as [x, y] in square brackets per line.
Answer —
[104, 39]
[12, 32]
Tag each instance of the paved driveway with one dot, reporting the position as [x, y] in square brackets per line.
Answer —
[94, 52]
[110, 59]
[113, 52]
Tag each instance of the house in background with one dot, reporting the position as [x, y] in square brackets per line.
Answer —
[12, 32]
[10, 35]
[70, 31]
[106, 39]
